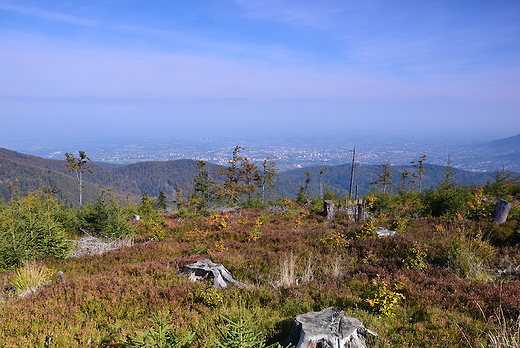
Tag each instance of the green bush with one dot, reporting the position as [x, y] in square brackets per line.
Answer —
[381, 300]
[30, 228]
[447, 201]
[106, 219]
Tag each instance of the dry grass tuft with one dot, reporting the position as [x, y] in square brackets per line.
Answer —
[507, 333]
[30, 278]
[289, 275]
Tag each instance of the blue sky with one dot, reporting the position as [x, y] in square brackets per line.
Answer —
[258, 68]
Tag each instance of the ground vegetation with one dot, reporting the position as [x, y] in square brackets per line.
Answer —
[449, 277]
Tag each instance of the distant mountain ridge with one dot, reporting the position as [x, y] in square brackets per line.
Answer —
[506, 144]
[337, 178]
[26, 172]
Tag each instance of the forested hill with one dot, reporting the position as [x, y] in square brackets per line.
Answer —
[337, 178]
[19, 177]
[153, 177]
[20, 172]
[25, 172]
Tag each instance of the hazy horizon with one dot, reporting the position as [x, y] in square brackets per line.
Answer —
[103, 70]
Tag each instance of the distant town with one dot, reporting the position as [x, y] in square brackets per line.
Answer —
[289, 153]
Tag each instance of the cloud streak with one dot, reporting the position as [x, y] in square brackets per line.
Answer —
[40, 69]
[47, 15]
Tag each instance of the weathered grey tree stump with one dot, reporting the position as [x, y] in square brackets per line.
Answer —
[501, 211]
[328, 209]
[204, 269]
[330, 328]
[383, 232]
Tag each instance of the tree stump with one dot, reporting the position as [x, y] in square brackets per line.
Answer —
[330, 328]
[383, 232]
[328, 209]
[501, 211]
[360, 213]
[204, 269]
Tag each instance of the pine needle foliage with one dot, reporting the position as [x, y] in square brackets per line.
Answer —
[159, 336]
[30, 227]
[240, 333]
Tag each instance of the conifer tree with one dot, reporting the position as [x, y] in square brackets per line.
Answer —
[161, 203]
[203, 187]
[266, 179]
[384, 180]
[420, 170]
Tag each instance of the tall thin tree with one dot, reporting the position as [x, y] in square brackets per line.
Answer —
[352, 172]
[78, 165]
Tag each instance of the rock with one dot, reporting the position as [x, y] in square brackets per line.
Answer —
[328, 209]
[501, 211]
[204, 269]
[330, 328]
[136, 217]
[383, 232]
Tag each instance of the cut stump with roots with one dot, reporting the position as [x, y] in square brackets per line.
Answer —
[204, 269]
[330, 328]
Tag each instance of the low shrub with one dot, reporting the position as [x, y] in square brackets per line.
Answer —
[381, 300]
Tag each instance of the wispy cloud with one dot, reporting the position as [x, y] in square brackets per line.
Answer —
[47, 15]
[312, 14]
[44, 69]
